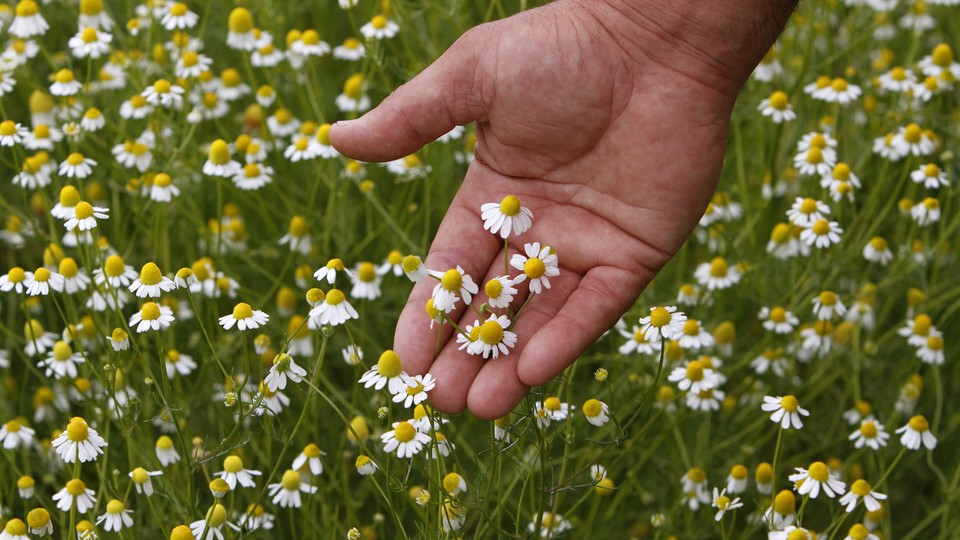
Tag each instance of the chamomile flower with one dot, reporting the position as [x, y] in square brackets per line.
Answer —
[388, 372]
[42, 281]
[665, 320]
[454, 285]
[253, 176]
[283, 368]
[506, 217]
[38, 520]
[151, 282]
[493, 338]
[878, 251]
[596, 412]
[791, 533]
[78, 442]
[75, 492]
[366, 281]
[76, 166]
[939, 62]
[871, 433]
[500, 292]
[90, 43]
[219, 162]
[769, 67]
[329, 271]
[717, 274]
[777, 107]
[931, 176]
[814, 162]
[213, 523]
[786, 411]
[178, 16]
[639, 341]
[379, 27]
[353, 98]
[116, 518]
[694, 486]
[27, 21]
[352, 355]
[694, 336]
[694, 377]
[164, 94]
[839, 91]
[724, 504]
[931, 352]
[917, 432]
[152, 317]
[926, 212]
[244, 317]
[416, 390]
[334, 310]
[811, 481]
[861, 490]
[351, 50]
[310, 456]
[134, 154]
[414, 268]
[539, 265]
[177, 363]
[64, 84]
[12, 133]
[166, 453]
[240, 27]
[406, 439]
[912, 140]
[15, 434]
[778, 319]
[737, 480]
[62, 361]
[860, 532]
[827, 304]
[821, 234]
[233, 473]
[364, 465]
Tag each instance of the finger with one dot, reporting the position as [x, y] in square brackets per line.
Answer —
[602, 296]
[442, 96]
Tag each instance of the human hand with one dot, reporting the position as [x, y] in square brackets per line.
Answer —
[611, 133]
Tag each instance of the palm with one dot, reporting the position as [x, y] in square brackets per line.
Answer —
[616, 165]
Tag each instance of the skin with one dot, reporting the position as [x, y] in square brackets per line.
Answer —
[608, 119]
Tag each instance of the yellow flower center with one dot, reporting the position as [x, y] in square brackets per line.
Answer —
[311, 451]
[814, 155]
[718, 267]
[493, 288]
[389, 364]
[691, 327]
[818, 471]
[140, 475]
[412, 161]
[89, 35]
[310, 37]
[178, 9]
[367, 272]
[76, 487]
[919, 423]
[416, 389]
[351, 43]
[858, 532]
[77, 429]
[38, 518]
[219, 486]
[26, 8]
[779, 100]
[451, 482]
[62, 351]
[931, 204]
[405, 432]
[839, 85]
[150, 311]
[64, 76]
[739, 472]
[242, 311]
[411, 263]
[695, 370]
[379, 22]
[868, 429]
[217, 515]
[821, 227]
[912, 133]
[841, 172]
[789, 403]
[16, 527]
[534, 268]
[334, 297]
[75, 159]
[592, 407]
[353, 86]
[8, 127]
[935, 343]
[697, 475]
[432, 312]
[232, 464]
[510, 205]
[181, 532]
[13, 426]
[219, 152]
[114, 506]
[491, 332]
[660, 317]
[878, 243]
[452, 280]
[860, 488]
[240, 21]
[164, 443]
[942, 54]
[552, 404]
[395, 257]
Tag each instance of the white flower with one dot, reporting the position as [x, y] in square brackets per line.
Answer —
[811, 481]
[786, 411]
[493, 338]
[724, 504]
[405, 438]
[821, 233]
[870, 433]
[539, 265]
[860, 489]
[454, 285]
[75, 492]
[89, 42]
[379, 28]
[178, 16]
[78, 441]
[233, 473]
[596, 412]
[717, 274]
[387, 372]
[245, 317]
[283, 368]
[777, 107]
[695, 377]
[931, 176]
[506, 217]
[152, 316]
[666, 320]
[915, 432]
[416, 390]
[334, 310]
[116, 517]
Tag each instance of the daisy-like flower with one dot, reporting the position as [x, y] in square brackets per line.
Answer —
[352, 355]
[90, 43]
[493, 338]
[414, 268]
[212, 523]
[364, 465]
[134, 154]
[233, 473]
[786, 411]
[219, 163]
[694, 377]
[141, 480]
[878, 251]
[75, 492]
[842, 183]
[500, 292]
[76, 166]
[926, 212]
[814, 162]
[92, 120]
[245, 317]
[152, 317]
[253, 176]
[352, 50]
[240, 28]
[283, 368]
[255, 518]
[769, 67]
[931, 352]
[267, 55]
[78, 441]
[178, 363]
[27, 21]
[871, 433]
[12, 133]
[164, 94]
[116, 518]
[911, 139]
[366, 281]
[192, 64]
[38, 520]
[694, 486]
[85, 217]
[938, 63]
[329, 271]
[42, 281]
[166, 453]
[539, 265]
[38, 341]
[917, 432]
[827, 304]
[665, 320]
[811, 481]
[379, 27]
[178, 16]
[596, 412]
[454, 285]
[777, 107]
[639, 341]
[861, 490]
[16, 279]
[64, 83]
[506, 217]
[405, 438]
[918, 330]
[897, 79]
[924, 90]
[860, 532]
[791, 533]
[416, 390]
[778, 319]
[151, 282]
[931, 176]
[694, 336]
[737, 479]
[162, 188]
[286, 493]
[821, 234]
[310, 457]
[839, 91]
[334, 310]
[15, 434]
[62, 361]
[388, 372]
[717, 274]
[115, 272]
[724, 504]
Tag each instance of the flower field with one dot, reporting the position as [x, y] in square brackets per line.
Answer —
[198, 293]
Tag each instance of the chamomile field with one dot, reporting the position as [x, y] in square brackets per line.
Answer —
[198, 293]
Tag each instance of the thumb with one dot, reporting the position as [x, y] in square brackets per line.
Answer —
[442, 96]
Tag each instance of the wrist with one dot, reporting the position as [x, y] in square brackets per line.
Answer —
[715, 42]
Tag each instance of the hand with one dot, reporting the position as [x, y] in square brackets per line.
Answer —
[611, 135]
